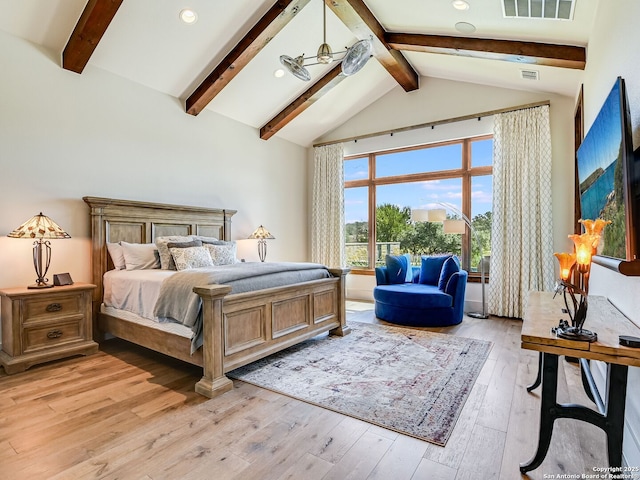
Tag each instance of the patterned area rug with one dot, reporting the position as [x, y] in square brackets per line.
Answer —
[412, 381]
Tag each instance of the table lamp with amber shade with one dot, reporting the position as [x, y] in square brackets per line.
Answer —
[42, 229]
[585, 246]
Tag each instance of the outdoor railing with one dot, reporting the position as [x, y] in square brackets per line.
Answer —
[358, 255]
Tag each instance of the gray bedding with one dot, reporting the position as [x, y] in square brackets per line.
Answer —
[178, 302]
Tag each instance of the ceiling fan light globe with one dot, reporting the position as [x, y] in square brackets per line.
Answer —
[295, 67]
[325, 55]
[356, 57]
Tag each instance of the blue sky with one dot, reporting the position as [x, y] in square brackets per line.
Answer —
[420, 194]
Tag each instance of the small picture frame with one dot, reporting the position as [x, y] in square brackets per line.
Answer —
[62, 279]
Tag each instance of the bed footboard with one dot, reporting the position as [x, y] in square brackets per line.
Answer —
[239, 329]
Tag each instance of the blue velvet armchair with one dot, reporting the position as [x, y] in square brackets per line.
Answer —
[431, 295]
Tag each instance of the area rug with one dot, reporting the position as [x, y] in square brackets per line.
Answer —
[411, 381]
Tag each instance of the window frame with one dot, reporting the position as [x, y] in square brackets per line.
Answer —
[466, 172]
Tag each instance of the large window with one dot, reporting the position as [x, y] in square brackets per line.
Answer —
[381, 189]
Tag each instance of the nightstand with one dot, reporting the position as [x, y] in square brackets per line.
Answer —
[39, 325]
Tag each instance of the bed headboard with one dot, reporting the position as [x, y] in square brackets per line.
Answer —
[141, 222]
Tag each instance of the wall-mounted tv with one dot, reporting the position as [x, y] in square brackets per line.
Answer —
[605, 172]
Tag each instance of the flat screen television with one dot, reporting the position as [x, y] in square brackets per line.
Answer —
[608, 185]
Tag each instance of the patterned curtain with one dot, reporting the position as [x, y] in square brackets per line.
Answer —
[521, 233]
[327, 214]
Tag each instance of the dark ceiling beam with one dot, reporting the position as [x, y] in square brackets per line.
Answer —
[94, 21]
[566, 56]
[364, 25]
[304, 101]
[238, 58]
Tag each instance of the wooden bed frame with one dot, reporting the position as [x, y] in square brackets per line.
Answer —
[238, 328]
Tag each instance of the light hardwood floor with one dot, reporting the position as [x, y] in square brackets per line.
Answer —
[128, 413]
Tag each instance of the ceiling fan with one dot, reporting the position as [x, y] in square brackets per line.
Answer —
[355, 57]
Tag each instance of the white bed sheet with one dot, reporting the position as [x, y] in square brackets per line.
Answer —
[134, 291]
[172, 327]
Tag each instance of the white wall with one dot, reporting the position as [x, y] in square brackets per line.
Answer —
[610, 54]
[439, 99]
[64, 136]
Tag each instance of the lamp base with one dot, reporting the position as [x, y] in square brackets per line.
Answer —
[573, 333]
[262, 249]
[477, 315]
[40, 285]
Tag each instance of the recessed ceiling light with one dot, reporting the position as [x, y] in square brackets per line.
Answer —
[460, 5]
[279, 73]
[464, 27]
[188, 16]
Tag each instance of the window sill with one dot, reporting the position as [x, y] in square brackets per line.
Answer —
[362, 271]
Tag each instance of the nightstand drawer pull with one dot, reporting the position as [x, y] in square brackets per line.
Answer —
[54, 334]
[54, 307]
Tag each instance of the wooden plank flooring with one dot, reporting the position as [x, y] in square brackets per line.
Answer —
[128, 413]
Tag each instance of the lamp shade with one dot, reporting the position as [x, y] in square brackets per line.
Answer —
[325, 54]
[437, 215]
[454, 226]
[584, 249]
[566, 261]
[39, 226]
[419, 215]
[261, 233]
[594, 227]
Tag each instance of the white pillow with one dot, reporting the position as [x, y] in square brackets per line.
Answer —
[140, 256]
[117, 255]
[166, 260]
[222, 253]
[191, 257]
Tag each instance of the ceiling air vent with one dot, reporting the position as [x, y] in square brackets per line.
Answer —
[529, 74]
[546, 9]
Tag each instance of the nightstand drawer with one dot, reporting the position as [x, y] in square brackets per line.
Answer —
[45, 336]
[52, 307]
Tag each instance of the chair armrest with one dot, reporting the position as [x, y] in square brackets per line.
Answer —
[456, 286]
[381, 276]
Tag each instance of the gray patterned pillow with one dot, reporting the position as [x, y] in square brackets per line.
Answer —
[166, 260]
[192, 243]
[222, 253]
[191, 257]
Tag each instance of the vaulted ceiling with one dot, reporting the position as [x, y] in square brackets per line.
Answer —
[226, 61]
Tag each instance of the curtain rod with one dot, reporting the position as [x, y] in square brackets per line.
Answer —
[433, 124]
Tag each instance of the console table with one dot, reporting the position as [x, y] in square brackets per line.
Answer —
[543, 312]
